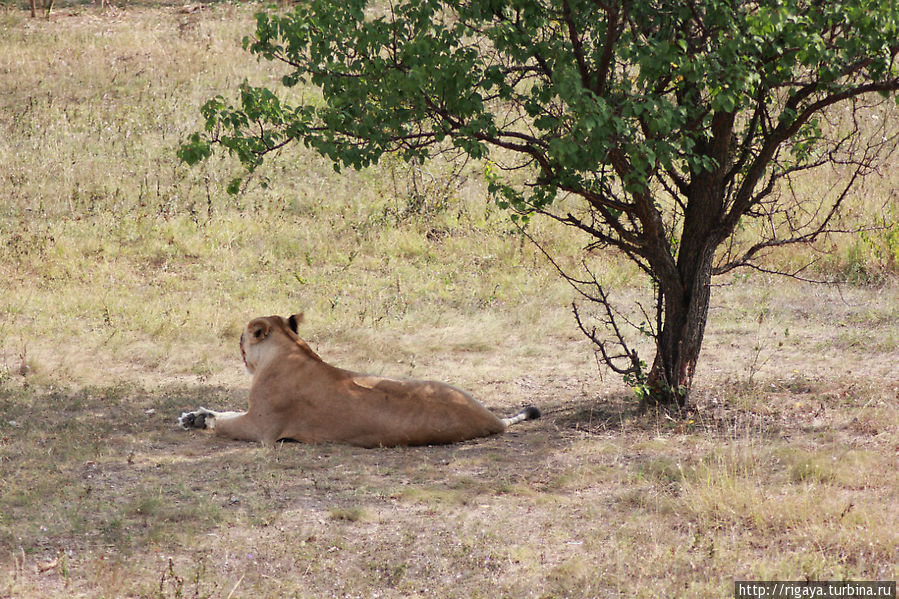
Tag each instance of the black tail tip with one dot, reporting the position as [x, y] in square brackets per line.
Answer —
[531, 413]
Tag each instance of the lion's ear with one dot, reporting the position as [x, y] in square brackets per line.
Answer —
[258, 330]
[294, 321]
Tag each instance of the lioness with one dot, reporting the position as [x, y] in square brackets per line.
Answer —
[296, 395]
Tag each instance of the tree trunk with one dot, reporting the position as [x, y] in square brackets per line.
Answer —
[680, 338]
[685, 302]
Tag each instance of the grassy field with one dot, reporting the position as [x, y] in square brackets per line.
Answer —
[128, 278]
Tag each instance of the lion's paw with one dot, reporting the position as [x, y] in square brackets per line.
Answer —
[196, 419]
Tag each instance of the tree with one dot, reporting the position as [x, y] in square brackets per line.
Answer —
[672, 124]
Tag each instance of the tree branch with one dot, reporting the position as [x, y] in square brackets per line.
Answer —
[784, 131]
[614, 26]
[577, 45]
[811, 236]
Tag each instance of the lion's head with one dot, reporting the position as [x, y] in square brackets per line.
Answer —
[270, 336]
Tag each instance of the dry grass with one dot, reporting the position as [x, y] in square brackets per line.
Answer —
[594, 500]
[128, 278]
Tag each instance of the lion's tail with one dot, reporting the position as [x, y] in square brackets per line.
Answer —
[529, 413]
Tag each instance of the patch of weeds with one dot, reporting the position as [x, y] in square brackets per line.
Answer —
[194, 584]
[145, 507]
[578, 477]
[798, 384]
[436, 496]
[806, 564]
[389, 574]
[645, 499]
[348, 514]
[114, 532]
[635, 497]
[856, 266]
[725, 489]
[667, 471]
[517, 489]
[811, 469]
[575, 577]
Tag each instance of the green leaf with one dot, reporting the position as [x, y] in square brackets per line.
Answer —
[233, 187]
[195, 150]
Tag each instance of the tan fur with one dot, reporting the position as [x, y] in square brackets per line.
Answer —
[296, 395]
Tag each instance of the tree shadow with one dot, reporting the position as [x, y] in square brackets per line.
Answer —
[595, 416]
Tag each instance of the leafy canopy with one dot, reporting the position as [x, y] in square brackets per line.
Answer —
[585, 92]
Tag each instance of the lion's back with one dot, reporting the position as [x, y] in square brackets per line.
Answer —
[413, 412]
